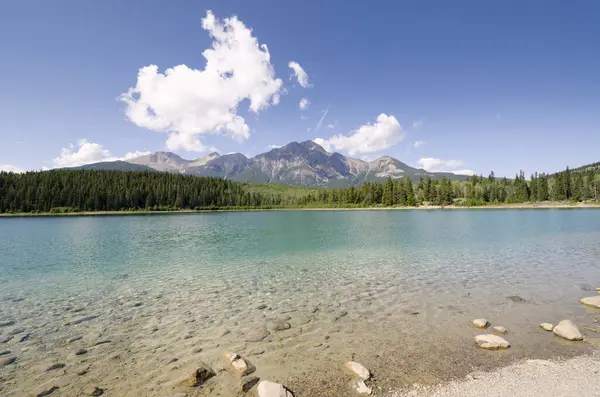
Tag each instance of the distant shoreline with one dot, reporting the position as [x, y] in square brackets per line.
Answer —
[422, 207]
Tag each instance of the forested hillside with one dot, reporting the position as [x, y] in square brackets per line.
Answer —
[95, 190]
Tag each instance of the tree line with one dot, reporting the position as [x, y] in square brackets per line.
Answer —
[96, 190]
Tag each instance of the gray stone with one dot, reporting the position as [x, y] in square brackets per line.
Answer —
[567, 330]
[516, 299]
[6, 323]
[501, 330]
[4, 353]
[593, 301]
[79, 352]
[491, 342]
[261, 307]
[248, 382]
[4, 361]
[258, 334]
[75, 339]
[6, 339]
[271, 389]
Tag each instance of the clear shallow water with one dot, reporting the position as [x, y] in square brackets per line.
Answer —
[410, 282]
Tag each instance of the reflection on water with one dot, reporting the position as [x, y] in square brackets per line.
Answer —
[166, 286]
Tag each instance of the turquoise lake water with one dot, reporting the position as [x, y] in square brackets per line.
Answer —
[405, 279]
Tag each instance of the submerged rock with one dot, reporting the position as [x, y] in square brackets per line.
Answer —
[491, 342]
[47, 392]
[358, 369]
[248, 382]
[547, 327]
[199, 376]
[4, 361]
[258, 334]
[500, 329]
[79, 352]
[6, 323]
[481, 323]
[567, 330]
[280, 326]
[94, 391]
[359, 386]
[81, 320]
[516, 299]
[593, 301]
[56, 366]
[271, 389]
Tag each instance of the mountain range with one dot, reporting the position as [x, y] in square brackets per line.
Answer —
[305, 163]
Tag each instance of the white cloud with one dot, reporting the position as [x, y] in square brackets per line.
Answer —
[88, 152]
[273, 146]
[384, 133]
[133, 155]
[85, 153]
[418, 144]
[300, 74]
[11, 168]
[330, 126]
[188, 103]
[433, 164]
[304, 103]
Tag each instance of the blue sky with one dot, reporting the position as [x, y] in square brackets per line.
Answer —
[481, 85]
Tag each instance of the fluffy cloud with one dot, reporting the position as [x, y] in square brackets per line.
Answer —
[88, 152]
[384, 133]
[300, 74]
[432, 164]
[85, 153]
[11, 168]
[418, 144]
[304, 103]
[188, 103]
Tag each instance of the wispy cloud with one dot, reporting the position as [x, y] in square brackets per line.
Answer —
[320, 123]
[417, 124]
[300, 74]
[273, 146]
[418, 144]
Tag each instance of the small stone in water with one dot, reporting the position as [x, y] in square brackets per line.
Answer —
[358, 369]
[95, 391]
[248, 382]
[567, 330]
[75, 339]
[271, 389]
[258, 334]
[47, 392]
[6, 339]
[4, 353]
[199, 376]
[6, 323]
[79, 352]
[491, 342]
[359, 386]
[82, 372]
[7, 361]
[500, 329]
[54, 367]
[481, 323]
[593, 301]
[516, 299]
[261, 307]
[547, 327]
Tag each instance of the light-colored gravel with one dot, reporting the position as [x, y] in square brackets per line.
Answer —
[576, 377]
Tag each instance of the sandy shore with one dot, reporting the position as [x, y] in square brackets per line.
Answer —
[422, 207]
[579, 376]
